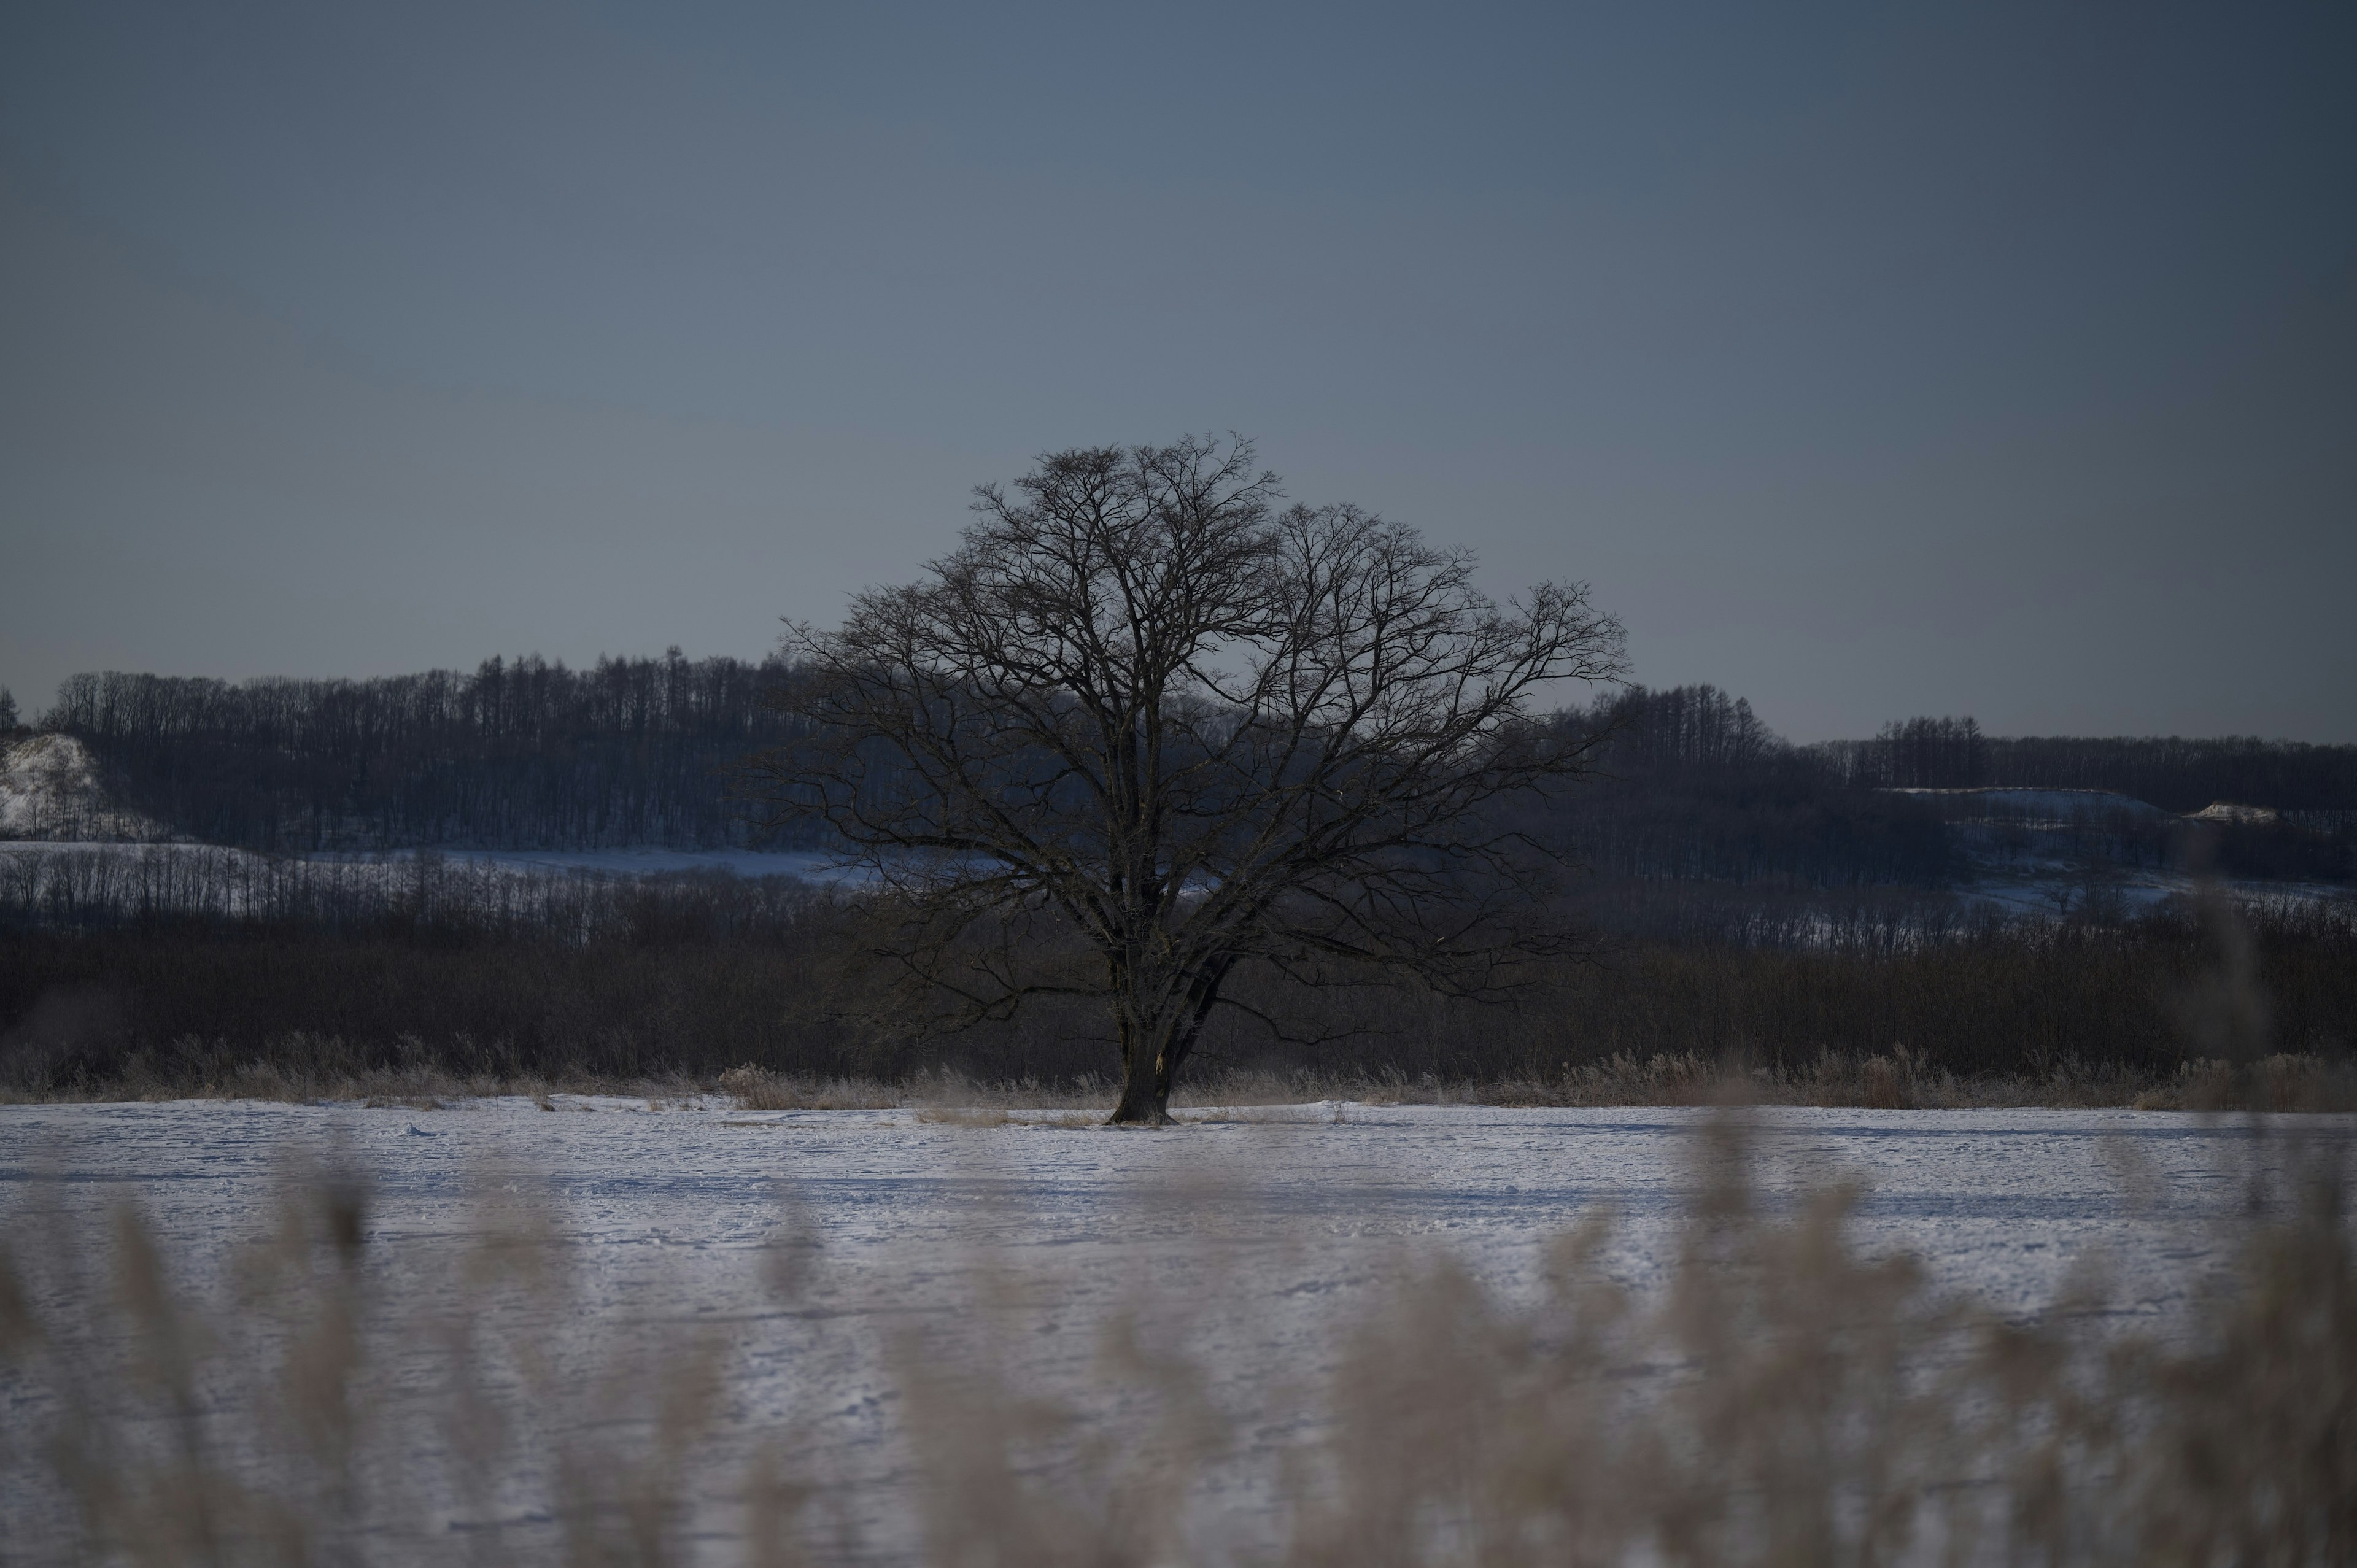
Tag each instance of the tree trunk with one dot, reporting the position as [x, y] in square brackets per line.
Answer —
[1152, 1047]
[1145, 1093]
[1138, 1023]
[1147, 1062]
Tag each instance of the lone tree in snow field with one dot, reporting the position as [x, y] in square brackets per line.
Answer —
[1142, 706]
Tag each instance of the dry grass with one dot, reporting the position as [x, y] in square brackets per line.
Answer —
[303, 1012]
[1897, 1080]
[1820, 1408]
[754, 1088]
[1782, 1400]
[2279, 1082]
[303, 1070]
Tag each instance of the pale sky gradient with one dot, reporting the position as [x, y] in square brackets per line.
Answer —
[1871, 361]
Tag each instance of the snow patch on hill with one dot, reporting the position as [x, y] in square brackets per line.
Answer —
[2228, 812]
[50, 788]
[2031, 805]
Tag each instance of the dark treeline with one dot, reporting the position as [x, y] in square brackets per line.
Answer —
[427, 893]
[522, 755]
[1690, 785]
[421, 895]
[532, 755]
[694, 988]
[2175, 774]
[1752, 898]
[172, 968]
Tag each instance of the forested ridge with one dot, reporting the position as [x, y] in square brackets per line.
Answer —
[1692, 786]
[516, 755]
[1775, 900]
[2169, 772]
[529, 754]
[1689, 785]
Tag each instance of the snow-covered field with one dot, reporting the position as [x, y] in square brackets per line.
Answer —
[2002, 1201]
[1252, 1238]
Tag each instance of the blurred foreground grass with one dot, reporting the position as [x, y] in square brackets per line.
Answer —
[1781, 1400]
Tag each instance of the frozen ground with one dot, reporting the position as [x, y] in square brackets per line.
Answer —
[1252, 1238]
[2000, 1200]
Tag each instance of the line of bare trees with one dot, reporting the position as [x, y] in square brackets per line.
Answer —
[1689, 785]
[2172, 772]
[522, 754]
[700, 976]
[528, 754]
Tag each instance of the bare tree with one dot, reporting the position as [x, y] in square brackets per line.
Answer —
[1141, 704]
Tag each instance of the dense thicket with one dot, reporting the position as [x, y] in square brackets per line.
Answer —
[2170, 772]
[522, 755]
[172, 966]
[106, 887]
[182, 1003]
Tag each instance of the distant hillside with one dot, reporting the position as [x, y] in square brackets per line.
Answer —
[1694, 786]
[523, 755]
[1690, 786]
[2173, 773]
[530, 755]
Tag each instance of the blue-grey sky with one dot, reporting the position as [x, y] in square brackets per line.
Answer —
[1868, 360]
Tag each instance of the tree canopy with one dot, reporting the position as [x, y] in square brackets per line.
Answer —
[1146, 705]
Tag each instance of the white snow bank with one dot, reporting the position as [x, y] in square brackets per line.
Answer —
[50, 788]
[2228, 812]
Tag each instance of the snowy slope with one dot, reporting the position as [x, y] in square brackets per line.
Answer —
[50, 788]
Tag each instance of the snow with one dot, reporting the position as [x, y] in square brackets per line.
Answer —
[2045, 887]
[2034, 805]
[2025, 854]
[2228, 812]
[1272, 1225]
[50, 785]
[1998, 1199]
